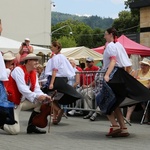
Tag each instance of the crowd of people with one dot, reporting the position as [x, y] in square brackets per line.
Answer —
[27, 84]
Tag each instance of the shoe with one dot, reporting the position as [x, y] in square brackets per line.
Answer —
[87, 116]
[114, 130]
[55, 122]
[72, 112]
[60, 114]
[33, 129]
[3, 117]
[124, 133]
[93, 118]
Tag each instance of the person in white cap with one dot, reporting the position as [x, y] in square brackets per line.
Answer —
[25, 48]
[24, 91]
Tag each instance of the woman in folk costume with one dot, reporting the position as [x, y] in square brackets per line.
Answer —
[121, 84]
[6, 107]
[59, 69]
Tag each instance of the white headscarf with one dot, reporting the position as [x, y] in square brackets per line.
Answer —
[3, 73]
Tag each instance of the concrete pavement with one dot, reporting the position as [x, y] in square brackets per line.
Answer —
[76, 133]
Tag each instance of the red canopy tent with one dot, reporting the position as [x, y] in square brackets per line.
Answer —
[130, 46]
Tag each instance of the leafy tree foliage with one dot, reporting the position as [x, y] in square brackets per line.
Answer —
[98, 37]
[92, 21]
[82, 34]
[67, 42]
[127, 22]
[89, 31]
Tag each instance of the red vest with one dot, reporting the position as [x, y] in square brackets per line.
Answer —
[14, 94]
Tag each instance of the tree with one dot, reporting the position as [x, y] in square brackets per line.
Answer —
[98, 38]
[127, 22]
[67, 42]
[82, 33]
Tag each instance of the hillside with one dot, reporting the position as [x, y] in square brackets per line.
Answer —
[92, 21]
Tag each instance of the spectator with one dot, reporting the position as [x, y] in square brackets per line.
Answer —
[39, 70]
[43, 77]
[85, 90]
[143, 75]
[24, 50]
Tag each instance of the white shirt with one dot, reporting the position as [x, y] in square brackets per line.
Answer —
[72, 80]
[61, 64]
[18, 75]
[118, 51]
[3, 73]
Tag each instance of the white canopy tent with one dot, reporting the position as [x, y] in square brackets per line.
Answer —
[81, 53]
[7, 44]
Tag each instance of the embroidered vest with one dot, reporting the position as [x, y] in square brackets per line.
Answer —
[14, 94]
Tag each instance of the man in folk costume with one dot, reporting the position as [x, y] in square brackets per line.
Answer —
[24, 91]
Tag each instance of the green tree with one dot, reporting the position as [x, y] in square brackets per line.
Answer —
[82, 33]
[127, 22]
[67, 42]
[98, 38]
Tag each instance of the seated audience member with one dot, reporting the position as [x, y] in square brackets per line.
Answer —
[74, 80]
[43, 77]
[143, 75]
[85, 90]
[39, 70]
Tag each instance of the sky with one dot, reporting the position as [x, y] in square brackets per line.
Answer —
[101, 8]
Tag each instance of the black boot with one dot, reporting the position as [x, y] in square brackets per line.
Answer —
[3, 117]
[32, 128]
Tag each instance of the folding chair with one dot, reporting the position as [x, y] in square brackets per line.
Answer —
[145, 111]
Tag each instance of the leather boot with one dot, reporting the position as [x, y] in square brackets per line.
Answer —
[31, 128]
[3, 117]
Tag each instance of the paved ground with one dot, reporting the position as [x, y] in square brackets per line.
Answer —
[76, 133]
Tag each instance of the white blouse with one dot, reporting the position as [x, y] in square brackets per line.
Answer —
[3, 73]
[115, 50]
[60, 63]
[18, 75]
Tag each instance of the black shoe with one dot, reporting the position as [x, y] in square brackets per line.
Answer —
[3, 117]
[33, 129]
[87, 116]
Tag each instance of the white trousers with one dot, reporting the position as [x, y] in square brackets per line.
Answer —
[25, 105]
[88, 96]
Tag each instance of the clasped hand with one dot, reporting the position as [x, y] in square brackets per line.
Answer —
[44, 99]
